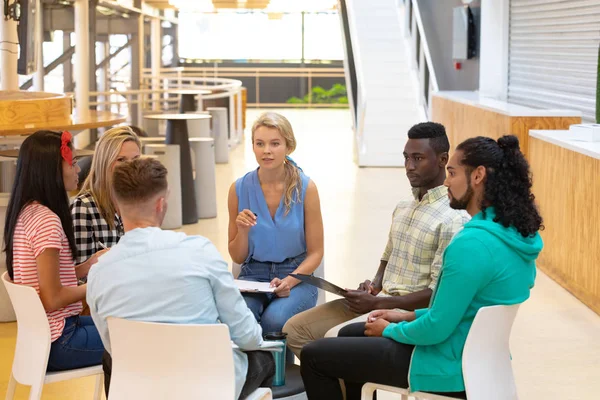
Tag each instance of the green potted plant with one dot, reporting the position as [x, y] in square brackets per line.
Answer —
[598, 89]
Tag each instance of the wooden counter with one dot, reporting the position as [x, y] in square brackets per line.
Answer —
[566, 183]
[467, 114]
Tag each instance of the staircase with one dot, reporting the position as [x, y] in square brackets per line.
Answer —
[387, 100]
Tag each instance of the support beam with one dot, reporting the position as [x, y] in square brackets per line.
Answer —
[82, 66]
[112, 55]
[136, 61]
[104, 82]
[92, 44]
[9, 53]
[156, 54]
[38, 77]
[67, 63]
[62, 59]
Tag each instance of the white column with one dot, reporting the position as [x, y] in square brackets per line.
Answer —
[233, 139]
[493, 58]
[9, 79]
[82, 58]
[38, 77]
[82, 67]
[240, 128]
[141, 65]
[104, 75]
[156, 54]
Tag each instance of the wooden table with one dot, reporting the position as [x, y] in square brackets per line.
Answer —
[14, 153]
[177, 133]
[95, 119]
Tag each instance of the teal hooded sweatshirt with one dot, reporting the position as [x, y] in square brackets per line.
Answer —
[485, 264]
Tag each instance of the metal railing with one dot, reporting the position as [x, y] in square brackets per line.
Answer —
[185, 76]
[134, 104]
[420, 56]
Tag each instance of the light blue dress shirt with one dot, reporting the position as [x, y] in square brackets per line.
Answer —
[164, 276]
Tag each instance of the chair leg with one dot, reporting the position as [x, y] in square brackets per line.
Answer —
[99, 387]
[10, 390]
[35, 393]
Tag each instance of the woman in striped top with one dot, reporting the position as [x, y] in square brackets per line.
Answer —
[40, 246]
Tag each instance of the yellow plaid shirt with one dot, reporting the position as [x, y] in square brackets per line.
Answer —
[420, 232]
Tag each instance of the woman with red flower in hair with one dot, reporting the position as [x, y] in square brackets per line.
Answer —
[40, 246]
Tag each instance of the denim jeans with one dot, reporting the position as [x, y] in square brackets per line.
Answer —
[270, 311]
[79, 345]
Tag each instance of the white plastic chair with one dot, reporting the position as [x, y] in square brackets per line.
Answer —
[172, 361]
[486, 363]
[33, 346]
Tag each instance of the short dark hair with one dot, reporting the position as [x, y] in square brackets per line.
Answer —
[508, 183]
[436, 133]
[139, 180]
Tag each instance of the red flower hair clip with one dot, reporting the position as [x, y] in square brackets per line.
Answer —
[65, 149]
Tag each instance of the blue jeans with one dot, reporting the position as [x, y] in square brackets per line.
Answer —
[270, 311]
[79, 345]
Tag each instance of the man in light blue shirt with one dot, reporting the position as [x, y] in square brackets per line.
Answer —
[164, 276]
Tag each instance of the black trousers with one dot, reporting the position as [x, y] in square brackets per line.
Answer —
[261, 369]
[356, 359]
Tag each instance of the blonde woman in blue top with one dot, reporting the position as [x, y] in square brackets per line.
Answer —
[275, 225]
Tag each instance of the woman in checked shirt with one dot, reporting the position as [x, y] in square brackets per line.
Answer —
[96, 220]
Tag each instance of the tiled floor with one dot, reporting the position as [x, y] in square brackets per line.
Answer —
[556, 339]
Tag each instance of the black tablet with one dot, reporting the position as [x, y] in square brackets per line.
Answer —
[320, 283]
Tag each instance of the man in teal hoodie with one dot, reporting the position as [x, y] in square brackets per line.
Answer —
[490, 262]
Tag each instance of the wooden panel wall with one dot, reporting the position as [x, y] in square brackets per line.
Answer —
[463, 121]
[567, 189]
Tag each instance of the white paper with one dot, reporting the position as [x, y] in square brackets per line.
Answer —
[266, 345]
[250, 286]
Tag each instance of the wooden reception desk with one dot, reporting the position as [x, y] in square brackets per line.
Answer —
[566, 183]
[467, 114]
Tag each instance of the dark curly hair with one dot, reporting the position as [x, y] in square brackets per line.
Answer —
[508, 181]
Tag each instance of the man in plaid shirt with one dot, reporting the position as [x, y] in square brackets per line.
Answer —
[421, 229]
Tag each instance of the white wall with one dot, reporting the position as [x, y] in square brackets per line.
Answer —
[493, 63]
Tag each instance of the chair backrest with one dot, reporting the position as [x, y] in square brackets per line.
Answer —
[170, 361]
[486, 361]
[33, 333]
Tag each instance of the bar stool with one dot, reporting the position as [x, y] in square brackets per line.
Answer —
[168, 155]
[199, 127]
[205, 180]
[177, 133]
[220, 129]
[151, 140]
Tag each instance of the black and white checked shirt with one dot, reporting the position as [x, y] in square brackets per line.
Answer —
[90, 228]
